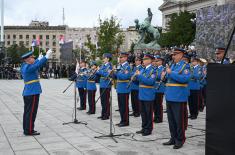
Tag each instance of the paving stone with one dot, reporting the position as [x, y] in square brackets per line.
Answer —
[56, 108]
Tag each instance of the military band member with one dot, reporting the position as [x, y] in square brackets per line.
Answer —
[105, 85]
[123, 76]
[135, 103]
[194, 86]
[160, 88]
[32, 89]
[220, 51]
[146, 79]
[81, 85]
[176, 94]
[187, 59]
[91, 88]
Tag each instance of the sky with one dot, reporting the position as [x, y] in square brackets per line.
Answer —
[80, 13]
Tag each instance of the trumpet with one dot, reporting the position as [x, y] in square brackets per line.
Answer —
[133, 78]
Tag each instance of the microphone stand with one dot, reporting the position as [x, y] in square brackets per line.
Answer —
[111, 134]
[75, 121]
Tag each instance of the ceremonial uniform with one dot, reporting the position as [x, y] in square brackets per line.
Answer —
[123, 78]
[194, 86]
[81, 85]
[204, 83]
[31, 92]
[146, 96]
[91, 89]
[135, 103]
[105, 87]
[176, 95]
[160, 88]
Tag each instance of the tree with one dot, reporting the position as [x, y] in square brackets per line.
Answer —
[181, 30]
[110, 36]
[91, 47]
[15, 52]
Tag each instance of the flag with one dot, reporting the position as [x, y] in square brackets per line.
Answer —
[38, 41]
[77, 67]
[34, 43]
[61, 40]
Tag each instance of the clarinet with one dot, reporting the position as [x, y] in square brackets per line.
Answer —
[164, 78]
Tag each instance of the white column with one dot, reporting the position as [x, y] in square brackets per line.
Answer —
[2, 21]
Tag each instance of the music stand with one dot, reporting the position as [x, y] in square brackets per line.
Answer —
[75, 121]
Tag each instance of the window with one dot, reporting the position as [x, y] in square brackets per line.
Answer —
[27, 36]
[8, 36]
[34, 36]
[27, 43]
[14, 36]
[47, 43]
[20, 36]
[14, 42]
[21, 43]
[54, 36]
[8, 42]
[54, 50]
[40, 43]
[40, 36]
[54, 43]
[47, 37]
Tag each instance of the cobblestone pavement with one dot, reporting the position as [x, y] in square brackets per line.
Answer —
[56, 108]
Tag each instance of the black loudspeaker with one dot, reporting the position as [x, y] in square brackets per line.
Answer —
[220, 110]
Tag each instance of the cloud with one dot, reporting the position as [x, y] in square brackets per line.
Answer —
[80, 13]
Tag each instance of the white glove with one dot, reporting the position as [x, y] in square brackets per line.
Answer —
[48, 54]
[40, 56]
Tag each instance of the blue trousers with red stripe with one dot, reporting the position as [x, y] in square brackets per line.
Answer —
[30, 112]
[105, 103]
[158, 107]
[176, 120]
[91, 101]
[82, 95]
[123, 104]
[147, 116]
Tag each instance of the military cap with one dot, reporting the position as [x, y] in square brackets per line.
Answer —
[179, 49]
[124, 54]
[186, 55]
[158, 57]
[93, 63]
[138, 58]
[149, 56]
[107, 55]
[26, 55]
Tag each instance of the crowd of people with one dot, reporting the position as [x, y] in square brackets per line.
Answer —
[12, 71]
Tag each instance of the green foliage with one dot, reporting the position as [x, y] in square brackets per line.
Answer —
[91, 47]
[15, 52]
[110, 36]
[181, 30]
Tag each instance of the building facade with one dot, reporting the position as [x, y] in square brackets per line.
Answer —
[175, 6]
[47, 36]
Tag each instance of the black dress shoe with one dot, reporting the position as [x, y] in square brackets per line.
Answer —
[32, 134]
[146, 133]
[34, 131]
[88, 113]
[140, 132]
[123, 124]
[193, 117]
[132, 114]
[177, 146]
[80, 108]
[117, 124]
[170, 142]
[157, 121]
[105, 118]
[136, 115]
